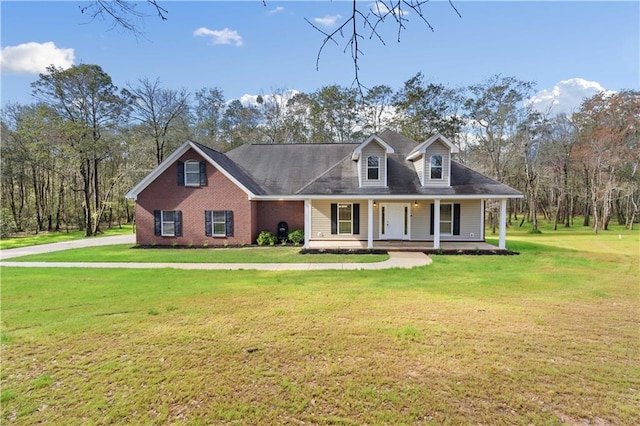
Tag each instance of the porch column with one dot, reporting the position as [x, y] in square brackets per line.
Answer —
[503, 224]
[370, 224]
[436, 224]
[307, 223]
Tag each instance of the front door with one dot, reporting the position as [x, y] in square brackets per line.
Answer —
[394, 221]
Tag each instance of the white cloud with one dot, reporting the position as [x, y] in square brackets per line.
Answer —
[380, 8]
[34, 58]
[565, 97]
[327, 21]
[275, 10]
[279, 98]
[225, 36]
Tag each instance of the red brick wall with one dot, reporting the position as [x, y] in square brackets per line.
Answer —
[219, 194]
[272, 212]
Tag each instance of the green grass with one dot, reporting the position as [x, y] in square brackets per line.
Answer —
[547, 337]
[127, 253]
[56, 237]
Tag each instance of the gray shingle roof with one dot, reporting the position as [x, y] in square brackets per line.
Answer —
[284, 169]
[327, 169]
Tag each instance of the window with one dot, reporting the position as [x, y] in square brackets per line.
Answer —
[446, 219]
[449, 219]
[373, 167]
[192, 173]
[344, 218]
[167, 223]
[436, 167]
[218, 223]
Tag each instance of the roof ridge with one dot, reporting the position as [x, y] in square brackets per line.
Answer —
[300, 144]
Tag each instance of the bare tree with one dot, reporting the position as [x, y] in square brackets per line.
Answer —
[159, 111]
[367, 21]
[122, 13]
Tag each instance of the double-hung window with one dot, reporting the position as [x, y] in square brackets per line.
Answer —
[192, 173]
[167, 223]
[446, 219]
[345, 218]
[436, 167]
[218, 223]
[373, 167]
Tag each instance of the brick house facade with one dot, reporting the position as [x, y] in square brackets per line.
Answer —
[341, 195]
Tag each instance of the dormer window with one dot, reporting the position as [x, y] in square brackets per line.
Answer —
[373, 167]
[436, 167]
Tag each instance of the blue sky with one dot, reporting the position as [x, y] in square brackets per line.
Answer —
[570, 49]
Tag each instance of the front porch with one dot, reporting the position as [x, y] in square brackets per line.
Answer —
[406, 245]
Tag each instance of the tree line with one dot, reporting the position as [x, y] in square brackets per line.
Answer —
[69, 157]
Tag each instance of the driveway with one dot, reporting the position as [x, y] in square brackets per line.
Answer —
[66, 245]
[397, 259]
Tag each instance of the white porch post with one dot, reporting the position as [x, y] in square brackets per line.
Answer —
[503, 224]
[307, 223]
[370, 224]
[436, 224]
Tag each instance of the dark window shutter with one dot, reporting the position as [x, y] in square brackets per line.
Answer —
[433, 210]
[180, 173]
[157, 222]
[228, 220]
[177, 223]
[334, 218]
[208, 226]
[456, 219]
[203, 173]
[356, 219]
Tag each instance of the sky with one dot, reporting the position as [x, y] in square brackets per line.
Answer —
[571, 50]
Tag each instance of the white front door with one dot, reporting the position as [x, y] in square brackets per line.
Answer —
[395, 221]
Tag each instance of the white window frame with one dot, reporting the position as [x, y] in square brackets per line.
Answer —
[349, 221]
[167, 222]
[432, 167]
[371, 168]
[450, 221]
[190, 173]
[214, 222]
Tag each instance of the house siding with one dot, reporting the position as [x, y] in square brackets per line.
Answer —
[470, 221]
[321, 221]
[418, 165]
[270, 213]
[220, 193]
[437, 148]
[373, 148]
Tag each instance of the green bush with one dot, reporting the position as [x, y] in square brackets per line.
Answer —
[296, 236]
[266, 238]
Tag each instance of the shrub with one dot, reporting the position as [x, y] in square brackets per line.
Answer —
[266, 238]
[296, 236]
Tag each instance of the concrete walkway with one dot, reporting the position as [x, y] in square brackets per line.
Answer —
[397, 259]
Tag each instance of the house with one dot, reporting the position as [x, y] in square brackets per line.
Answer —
[387, 188]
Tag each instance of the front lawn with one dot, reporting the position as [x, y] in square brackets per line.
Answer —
[127, 253]
[547, 337]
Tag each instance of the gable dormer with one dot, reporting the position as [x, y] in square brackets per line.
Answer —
[371, 162]
[432, 161]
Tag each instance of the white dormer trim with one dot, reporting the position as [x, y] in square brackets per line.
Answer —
[361, 161]
[170, 160]
[420, 149]
[358, 151]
